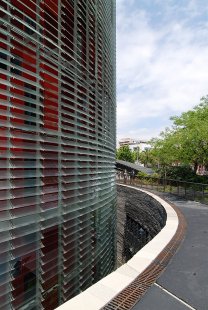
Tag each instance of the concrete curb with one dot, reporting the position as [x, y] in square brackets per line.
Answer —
[113, 291]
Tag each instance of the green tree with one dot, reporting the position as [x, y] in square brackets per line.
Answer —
[144, 157]
[186, 142]
[125, 153]
[192, 127]
[184, 173]
[165, 149]
[135, 154]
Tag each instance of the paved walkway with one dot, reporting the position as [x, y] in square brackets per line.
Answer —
[184, 284]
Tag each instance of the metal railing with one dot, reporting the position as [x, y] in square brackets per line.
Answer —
[187, 190]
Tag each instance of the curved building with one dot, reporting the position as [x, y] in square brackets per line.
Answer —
[57, 142]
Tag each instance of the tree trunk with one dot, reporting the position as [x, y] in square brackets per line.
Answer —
[195, 166]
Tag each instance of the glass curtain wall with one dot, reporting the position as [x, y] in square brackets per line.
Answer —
[57, 142]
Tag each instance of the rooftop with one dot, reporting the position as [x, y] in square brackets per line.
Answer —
[130, 166]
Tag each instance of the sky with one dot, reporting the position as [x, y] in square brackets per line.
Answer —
[162, 63]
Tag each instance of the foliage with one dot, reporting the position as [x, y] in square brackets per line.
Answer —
[135, 154]
[144, 157]
[156, 175]
[186, 142]
[141, 174]
[125, 153]
[193, 129]
[184, 173]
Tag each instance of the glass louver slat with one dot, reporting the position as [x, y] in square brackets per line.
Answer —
[57, 148]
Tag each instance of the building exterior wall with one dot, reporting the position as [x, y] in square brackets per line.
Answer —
[135, 144]
[57, 141]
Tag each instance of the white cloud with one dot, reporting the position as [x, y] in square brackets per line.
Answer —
[141, 133]
[161, 68]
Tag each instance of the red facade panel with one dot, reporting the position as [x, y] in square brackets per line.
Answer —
[51, 160]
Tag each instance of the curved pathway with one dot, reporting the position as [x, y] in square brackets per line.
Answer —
[174, 278]
[184, 284]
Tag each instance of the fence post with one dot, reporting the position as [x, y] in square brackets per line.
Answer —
[185, 189]
[194, 193]
[203, 192]
[194, 190]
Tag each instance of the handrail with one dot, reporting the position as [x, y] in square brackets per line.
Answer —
[186, 189]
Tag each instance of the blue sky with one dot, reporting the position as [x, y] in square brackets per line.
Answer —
[162, 62]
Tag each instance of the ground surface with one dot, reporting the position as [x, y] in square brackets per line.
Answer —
[184, 284]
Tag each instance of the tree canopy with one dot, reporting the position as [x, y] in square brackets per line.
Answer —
[186, 142]
[125, 153]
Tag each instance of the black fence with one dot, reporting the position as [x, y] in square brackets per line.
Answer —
[187, 190]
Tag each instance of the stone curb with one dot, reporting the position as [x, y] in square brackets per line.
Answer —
[123, 288]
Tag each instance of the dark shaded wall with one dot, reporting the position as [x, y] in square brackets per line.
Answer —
[140, 218]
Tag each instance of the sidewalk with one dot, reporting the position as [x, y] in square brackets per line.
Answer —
[184, 284]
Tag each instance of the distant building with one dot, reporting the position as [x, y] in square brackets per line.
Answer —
[127, 141]
[201, 170]
[57, 149]
[134, 144]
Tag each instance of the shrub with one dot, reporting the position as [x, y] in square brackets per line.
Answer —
[181, 173]
[142, 175]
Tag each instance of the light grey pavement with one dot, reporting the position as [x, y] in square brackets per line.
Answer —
[184, 284]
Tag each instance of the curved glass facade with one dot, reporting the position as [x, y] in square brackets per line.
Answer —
[57, 142]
